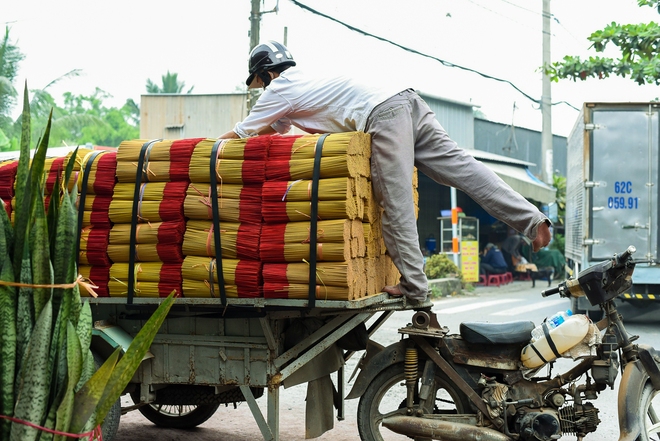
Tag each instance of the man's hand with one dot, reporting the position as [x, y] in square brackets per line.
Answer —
[542, 237]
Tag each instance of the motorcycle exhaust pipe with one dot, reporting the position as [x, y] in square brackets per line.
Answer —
[440, 429]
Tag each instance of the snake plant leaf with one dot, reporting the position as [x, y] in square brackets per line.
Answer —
[74, 369]
[24, 156]
[88, 397]
[31, 186]
[24, 308]
[32, 400]
[6, 233]
[129, 363]
[7, 346]
[42, 270]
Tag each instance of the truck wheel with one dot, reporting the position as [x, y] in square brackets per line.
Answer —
[110, 424]
[176, 416]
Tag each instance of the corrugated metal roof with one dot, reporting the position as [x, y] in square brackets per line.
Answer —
[480, 154]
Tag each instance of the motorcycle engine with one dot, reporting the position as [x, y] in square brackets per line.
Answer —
[550, 425]
[581, 418]
[539, 426]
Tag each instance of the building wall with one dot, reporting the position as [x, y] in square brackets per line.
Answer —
[519, 143]
[455, 117]
[175, 116]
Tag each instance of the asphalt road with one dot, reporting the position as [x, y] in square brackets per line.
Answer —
[511, 302]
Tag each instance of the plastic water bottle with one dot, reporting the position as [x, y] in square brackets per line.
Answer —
[552, 322]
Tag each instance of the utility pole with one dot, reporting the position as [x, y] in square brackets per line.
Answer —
[255, 22]
[546, 102]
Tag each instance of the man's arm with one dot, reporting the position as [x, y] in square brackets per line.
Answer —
[233, 135]
[229, 135]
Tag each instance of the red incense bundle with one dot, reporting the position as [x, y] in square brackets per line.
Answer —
[94, 243]
[101, 179]
[98, 276]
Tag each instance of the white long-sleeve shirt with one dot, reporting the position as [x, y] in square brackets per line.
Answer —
[315, 105]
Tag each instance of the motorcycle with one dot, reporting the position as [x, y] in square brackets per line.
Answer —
[474, 386]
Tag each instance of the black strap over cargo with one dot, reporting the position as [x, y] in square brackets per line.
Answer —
[216, 222]
[83, 195]
[546, 331]
[538, 353]
[313, 219]
[139, 174]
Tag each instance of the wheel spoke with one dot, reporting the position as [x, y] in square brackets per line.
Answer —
[652, 414]
[653, 429]
[381, 417]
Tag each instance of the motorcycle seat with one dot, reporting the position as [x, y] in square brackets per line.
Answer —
[497, 333]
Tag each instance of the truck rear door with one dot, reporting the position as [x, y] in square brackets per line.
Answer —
[624, 171]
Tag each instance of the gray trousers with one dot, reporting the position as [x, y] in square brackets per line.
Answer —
[404, 133]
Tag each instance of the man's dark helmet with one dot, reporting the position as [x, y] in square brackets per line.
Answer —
[265, 57]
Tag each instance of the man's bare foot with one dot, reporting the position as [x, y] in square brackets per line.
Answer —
[394, 291]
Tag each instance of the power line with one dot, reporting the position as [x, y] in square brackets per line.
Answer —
[416, 52]
[502, 15]
[521, 7]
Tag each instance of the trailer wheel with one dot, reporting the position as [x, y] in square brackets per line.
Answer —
[176, 416]
[110, 424]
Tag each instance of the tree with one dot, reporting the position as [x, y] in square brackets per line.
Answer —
[84, 119]
[171, 84]
[10, 57]
[639, 45]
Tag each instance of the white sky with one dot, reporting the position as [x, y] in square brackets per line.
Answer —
[119, 44]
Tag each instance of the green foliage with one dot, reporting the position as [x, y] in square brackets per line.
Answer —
[170, 84]
[558, 243]
[10, 57]
[639, 45]
[45, 331]
[84, 119]
[559, 182]
[439, 266]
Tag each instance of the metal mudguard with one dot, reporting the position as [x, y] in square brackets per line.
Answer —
[635, 376]
[388, 356]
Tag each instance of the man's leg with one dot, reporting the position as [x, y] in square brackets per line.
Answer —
[392, 161]
[439, 158]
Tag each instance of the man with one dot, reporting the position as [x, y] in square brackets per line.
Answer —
[492, 261]
[404, 133]
[511, 250]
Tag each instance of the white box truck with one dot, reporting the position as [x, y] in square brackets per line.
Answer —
[612, 192]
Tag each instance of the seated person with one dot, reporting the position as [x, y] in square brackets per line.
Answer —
[492, 261]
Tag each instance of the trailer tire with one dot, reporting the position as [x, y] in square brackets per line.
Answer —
[177, 416]
[110, 424]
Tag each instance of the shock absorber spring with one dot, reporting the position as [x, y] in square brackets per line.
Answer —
[410, 370]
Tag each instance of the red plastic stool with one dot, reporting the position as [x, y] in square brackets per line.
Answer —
[508, 277]
[494, 279]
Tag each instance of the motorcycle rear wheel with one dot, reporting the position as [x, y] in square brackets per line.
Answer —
[650, 405]
[386, 395]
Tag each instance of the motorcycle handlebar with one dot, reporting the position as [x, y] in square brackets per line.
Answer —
[550, 292]
[626, 254]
